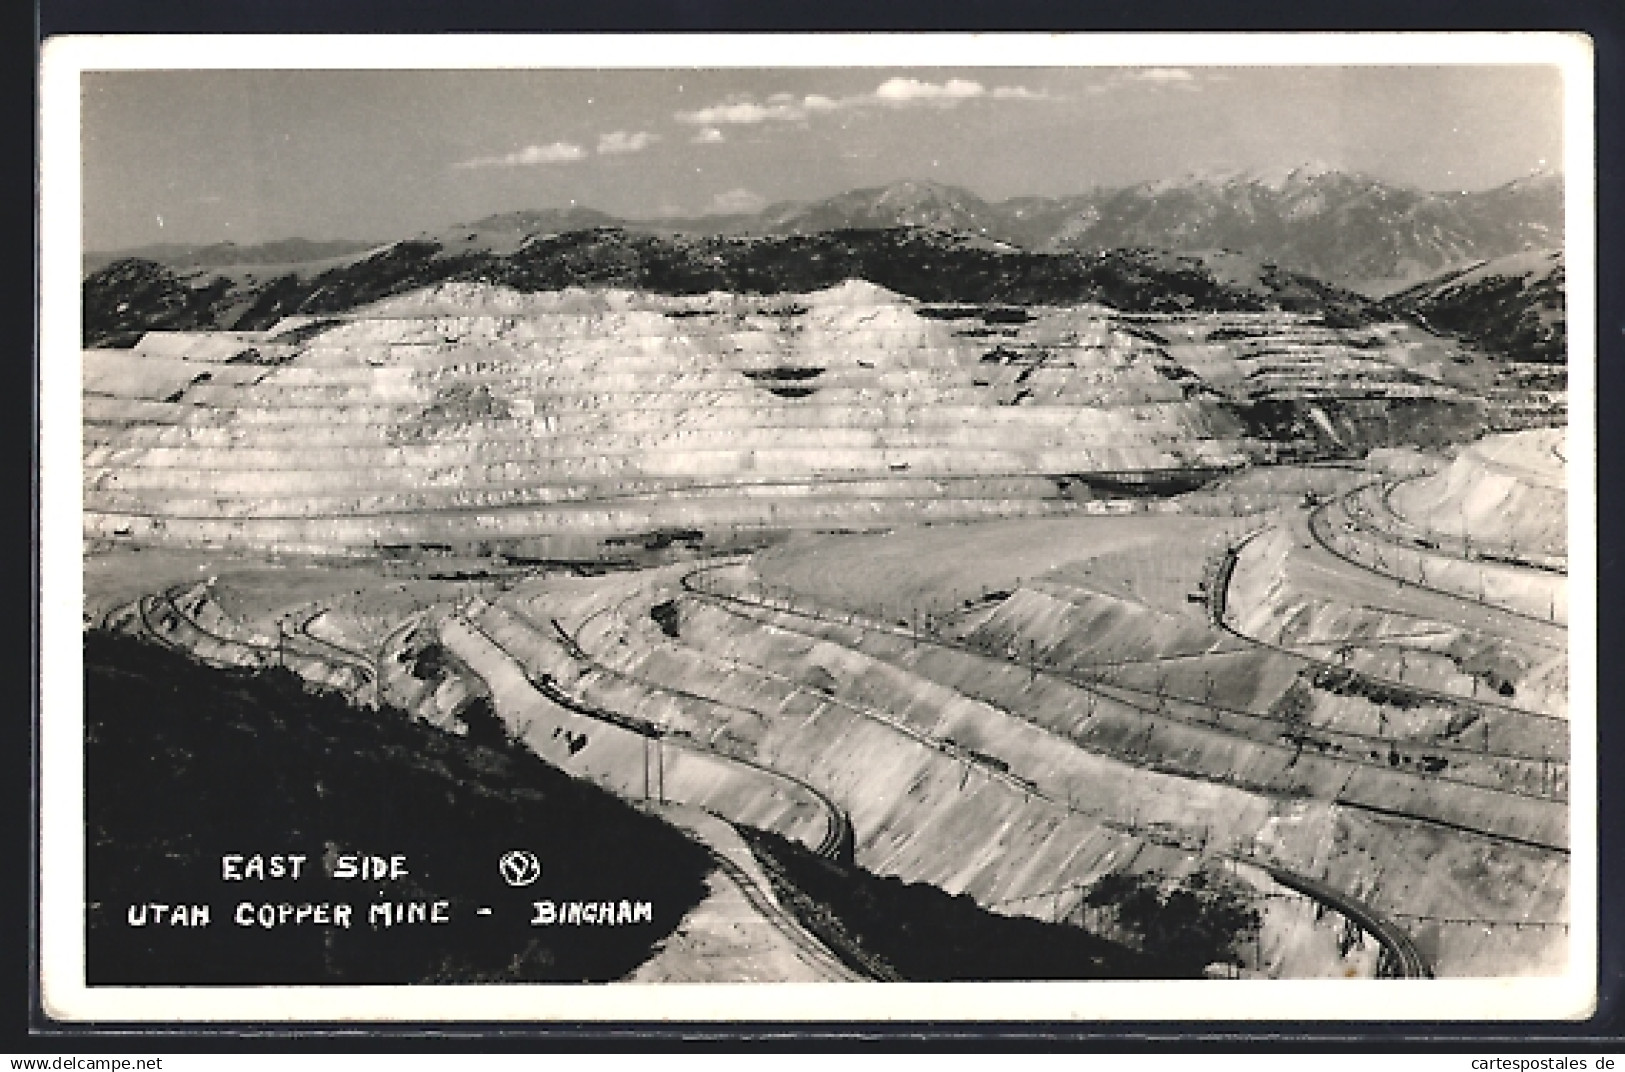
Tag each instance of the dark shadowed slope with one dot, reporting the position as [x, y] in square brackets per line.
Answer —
[1511, 305]
[131, 296]
[186, 764]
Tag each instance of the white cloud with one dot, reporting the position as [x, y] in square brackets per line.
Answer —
[1166, 76]
[743, 112]
[1017, 93]
[737, 200]
[910, 90]
[708, 136]
[559, 152]
[892, 93]
[1155, 78]
[621, 141]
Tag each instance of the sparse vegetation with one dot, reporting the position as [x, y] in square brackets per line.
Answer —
[1195, 923]
[918, 933]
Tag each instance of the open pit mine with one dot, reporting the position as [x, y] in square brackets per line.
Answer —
[1008, 598]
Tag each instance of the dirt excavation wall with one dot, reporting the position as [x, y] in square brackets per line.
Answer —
[366, 535]
[1508, 493]
[956, 769]
[461, 413]
[1290, 590]
[1500, 678]
[1534, 593]
[188, 619]
[1274, 723]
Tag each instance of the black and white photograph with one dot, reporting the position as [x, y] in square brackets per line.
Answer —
[1065, 527]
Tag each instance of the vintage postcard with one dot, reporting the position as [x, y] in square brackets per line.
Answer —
[931, 527]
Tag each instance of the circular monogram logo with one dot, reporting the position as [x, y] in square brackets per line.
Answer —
[519, 867]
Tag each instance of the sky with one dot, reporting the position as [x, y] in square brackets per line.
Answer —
[251, 156]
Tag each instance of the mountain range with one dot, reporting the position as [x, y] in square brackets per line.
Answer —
[1347, 228]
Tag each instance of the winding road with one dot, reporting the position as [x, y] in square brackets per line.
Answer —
[1406, 958]
[1344, 574]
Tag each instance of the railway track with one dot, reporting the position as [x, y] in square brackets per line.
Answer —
[1205, 725]
[270, 653]
[790, 928]
[353, 659]
[1218, 606]
[1317, 525]
[1501, 553]
[837, 842]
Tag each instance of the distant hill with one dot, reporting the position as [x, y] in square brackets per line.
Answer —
[1350, 229]
[128, 297]
[1513, 305]
[223, 254]
[901, 204]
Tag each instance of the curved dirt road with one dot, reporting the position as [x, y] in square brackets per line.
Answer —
[1408, 959]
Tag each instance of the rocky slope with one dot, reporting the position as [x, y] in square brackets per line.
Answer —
[1348, 228]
